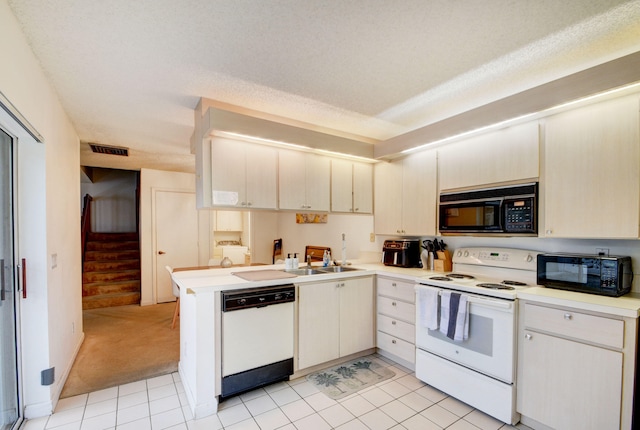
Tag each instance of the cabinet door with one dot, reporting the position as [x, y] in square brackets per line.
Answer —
[292, 180]
[318, 323]
[228, 221]
[510, 154]
[261, 177]
[388, 198]
[362, 188]
[356, 315]
[318, 182]
[591, 170]
[228, 172]
[341, 186]
[419, 194]
[569, 385]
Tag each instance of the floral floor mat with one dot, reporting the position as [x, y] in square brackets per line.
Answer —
[347, 378]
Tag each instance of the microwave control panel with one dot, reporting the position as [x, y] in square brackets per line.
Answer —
[519, 215]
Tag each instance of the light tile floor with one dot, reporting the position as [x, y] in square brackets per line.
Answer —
[400, 403]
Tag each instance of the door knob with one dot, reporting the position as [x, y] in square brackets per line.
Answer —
[161, 252]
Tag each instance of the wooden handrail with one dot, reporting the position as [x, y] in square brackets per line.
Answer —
[86, 221]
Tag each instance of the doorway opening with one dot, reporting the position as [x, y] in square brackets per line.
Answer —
[111, 247]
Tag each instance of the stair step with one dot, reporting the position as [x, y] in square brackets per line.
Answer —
[101, 288]
[112, 236]
[111, 276]
[109, 246]
[111, 255]
[104, 266]
[109, 300]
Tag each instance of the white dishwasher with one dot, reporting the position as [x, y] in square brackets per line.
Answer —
[257, 337]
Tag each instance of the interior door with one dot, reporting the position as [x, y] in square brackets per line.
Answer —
[176, 232]
[9, 410]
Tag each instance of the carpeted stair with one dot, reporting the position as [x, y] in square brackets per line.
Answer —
[111, 270]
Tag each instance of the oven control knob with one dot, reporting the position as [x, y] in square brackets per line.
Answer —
[466, 253]
[242, 301]
[459, 254]
[529, 258]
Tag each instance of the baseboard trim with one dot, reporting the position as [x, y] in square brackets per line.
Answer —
[65, 374]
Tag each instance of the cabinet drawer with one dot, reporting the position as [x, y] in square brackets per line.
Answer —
[396, 289]
[577, 325]
[397, 309]
[397, 346]
[397, 328]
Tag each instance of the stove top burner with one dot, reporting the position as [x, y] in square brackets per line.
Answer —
[440, 278]
[460, 276]
[516, 283]
[495, 286]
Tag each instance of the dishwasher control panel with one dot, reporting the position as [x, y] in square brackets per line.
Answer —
[233, 300]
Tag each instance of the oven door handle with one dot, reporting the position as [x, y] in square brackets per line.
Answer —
[471, 298]
[501, 304]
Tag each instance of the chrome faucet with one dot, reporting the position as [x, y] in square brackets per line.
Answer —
[309, 261]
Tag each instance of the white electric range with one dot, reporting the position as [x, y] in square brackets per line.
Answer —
[479, 370]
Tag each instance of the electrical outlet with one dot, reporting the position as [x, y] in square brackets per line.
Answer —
[372, 237]
[602, 251]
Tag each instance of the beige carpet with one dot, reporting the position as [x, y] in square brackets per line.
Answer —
[124, 344]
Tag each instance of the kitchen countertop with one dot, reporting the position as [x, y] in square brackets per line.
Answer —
[218, 279]
[626, 306]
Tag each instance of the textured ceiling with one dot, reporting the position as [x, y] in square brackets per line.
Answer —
[130, 73]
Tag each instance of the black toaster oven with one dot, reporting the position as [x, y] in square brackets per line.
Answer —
[401, 253]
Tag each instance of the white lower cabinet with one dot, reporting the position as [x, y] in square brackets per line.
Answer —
[335, 319]
[570, 368]
[396, 330]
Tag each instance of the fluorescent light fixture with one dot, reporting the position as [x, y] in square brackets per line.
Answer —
[262, 140]
[544, 112]
[259, 139]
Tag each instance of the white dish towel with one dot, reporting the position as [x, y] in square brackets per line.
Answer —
[428, 298]
[454, 316]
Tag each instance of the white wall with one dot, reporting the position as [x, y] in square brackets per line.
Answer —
[268, 226]
[51, 316]
[114, 200]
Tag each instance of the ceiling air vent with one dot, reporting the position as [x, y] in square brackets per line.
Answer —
[110, 150]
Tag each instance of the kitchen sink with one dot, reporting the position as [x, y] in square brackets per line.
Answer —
[305, 271]
[336, 269]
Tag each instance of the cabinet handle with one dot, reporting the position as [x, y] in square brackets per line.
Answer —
[249, 204]
[549, 231]
[243, 204]
[568, 316]
[393, 323]
[393, 284]
[393, 303]
[393, 341]
[357, 209]
[528, 336]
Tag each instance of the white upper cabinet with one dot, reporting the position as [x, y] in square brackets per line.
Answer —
[591, 169]
[243, 174]
[228, 221]
[304, 181]
[506, 155]
[405, 196]
[351, 186]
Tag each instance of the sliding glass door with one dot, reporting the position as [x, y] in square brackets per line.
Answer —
[9, 400]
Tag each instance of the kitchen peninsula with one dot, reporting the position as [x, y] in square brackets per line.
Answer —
[201, 332]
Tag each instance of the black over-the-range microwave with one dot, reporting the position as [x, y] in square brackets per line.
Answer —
[502, 210]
